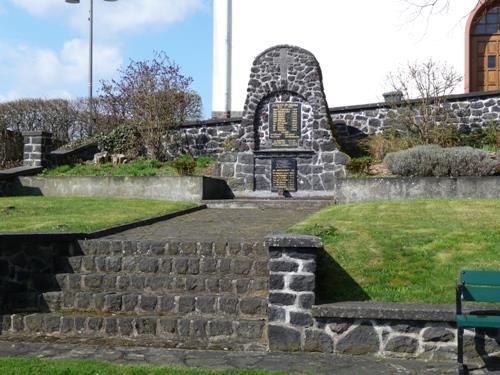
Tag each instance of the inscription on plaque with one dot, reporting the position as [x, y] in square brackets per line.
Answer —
[283, 174]
[284, 124]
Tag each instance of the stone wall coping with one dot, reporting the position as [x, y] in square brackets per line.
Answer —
[293, 240]
[64, 152]
[450, 98]
[19, 171]
[386, 311]
[37, 133]
[211, 122]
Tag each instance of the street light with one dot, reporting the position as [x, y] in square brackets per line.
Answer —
[91, 54]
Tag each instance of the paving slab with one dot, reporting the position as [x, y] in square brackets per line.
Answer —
[312, 363]
[219, 224]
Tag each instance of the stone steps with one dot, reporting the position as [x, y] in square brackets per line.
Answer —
[119, 282]
[162, 265]
[282, 203]
[107, 247]
[130, 302]
[149, 330]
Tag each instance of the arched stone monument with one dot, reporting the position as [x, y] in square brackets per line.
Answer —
[286, 141]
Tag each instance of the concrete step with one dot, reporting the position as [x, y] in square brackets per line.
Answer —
[283, 203]
[145, 330]
[220, 248]
[163, 265]
[131, 282]
[183, 304]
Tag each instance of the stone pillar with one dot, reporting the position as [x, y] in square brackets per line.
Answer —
[37, 147]
[292, 269]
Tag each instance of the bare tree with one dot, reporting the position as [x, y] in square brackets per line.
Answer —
[154, 95]
[423, 111]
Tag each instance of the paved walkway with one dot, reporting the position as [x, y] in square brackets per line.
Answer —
[288, 362]
[219, 224]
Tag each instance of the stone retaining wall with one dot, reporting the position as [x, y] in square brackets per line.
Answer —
[467, 112]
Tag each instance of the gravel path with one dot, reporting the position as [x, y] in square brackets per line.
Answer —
[288, 362]
[219, 224]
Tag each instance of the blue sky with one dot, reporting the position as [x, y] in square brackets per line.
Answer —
[44, 43]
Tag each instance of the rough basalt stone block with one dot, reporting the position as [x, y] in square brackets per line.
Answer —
[33, 323]
[282, 298]
[110, 326]
[242, 266]
[402, 344]
[251, 329]
[166, 304]
[438, 334]
[306, 300]
[181, 266]
[94, 323]
[228, 305]
[276, 282]
[198, 328]
[168, 325]
[283, 266]
[205, 304]
[113, 303]
[302, 283]
[253, 306]
[283, 339]
[301, 319]
[186, 304]
[148, 303]
[317, 341]
[126, 326]
[183, 327]
[147, 265]
[220, 328]
[361, 340]
[145, 326]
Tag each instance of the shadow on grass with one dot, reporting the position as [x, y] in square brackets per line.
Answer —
[334, 284]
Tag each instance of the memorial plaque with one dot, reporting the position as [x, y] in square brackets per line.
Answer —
[284, 124]
[283, 174]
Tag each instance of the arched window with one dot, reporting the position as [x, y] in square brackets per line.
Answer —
[482, 64]
[489, 23]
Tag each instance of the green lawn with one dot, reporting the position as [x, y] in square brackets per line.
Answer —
[139, 167]
[403, 251]
[31, 366]
[77, 214]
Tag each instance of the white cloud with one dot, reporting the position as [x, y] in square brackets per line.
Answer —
[47, 73]
[118, 16]
[40, 7]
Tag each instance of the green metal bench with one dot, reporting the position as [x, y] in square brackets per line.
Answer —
[475, 286]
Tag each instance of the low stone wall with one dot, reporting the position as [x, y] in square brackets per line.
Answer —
[352, 190]
[382, 329]
[468, 112]
[167, 188]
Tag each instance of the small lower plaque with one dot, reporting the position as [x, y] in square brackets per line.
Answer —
[283, 174]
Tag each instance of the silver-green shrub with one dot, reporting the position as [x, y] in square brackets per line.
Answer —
[433, 160]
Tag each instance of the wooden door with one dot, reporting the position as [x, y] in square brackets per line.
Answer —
[485, 63]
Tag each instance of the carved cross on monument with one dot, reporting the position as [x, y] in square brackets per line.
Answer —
[283, 61]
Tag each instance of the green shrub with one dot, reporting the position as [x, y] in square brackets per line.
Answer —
[204, 161]
[125, 139]
[185, 165]
[360, 165]
[433, 160]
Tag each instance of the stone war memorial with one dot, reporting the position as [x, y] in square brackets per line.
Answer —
[285, 142]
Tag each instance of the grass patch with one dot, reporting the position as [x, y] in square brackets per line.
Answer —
[29, 366]
[139, 167]
[403, 251]
[77, 214]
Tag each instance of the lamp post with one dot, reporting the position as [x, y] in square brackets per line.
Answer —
[91, 55]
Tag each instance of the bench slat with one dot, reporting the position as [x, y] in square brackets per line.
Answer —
[480, 277]
[486, 321]
[471, 293]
